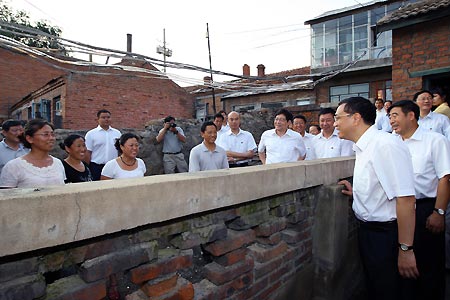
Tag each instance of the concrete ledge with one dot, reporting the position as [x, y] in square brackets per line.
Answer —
[33, 219]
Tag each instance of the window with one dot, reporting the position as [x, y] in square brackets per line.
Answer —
[306, 101]
[273, 105]
[246, 107]
[341, 92]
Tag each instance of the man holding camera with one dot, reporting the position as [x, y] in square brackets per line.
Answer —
[173, 137]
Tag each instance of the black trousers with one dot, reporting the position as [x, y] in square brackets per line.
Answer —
[378, 246]
[429, 249]
[96, 170]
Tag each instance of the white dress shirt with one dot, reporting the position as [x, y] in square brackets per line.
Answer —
[383, 123]
[383, 172]
[241, 142]
[437, 123]
[286, 148]
[332, 146]
[101, 143]
[430, 153]
[308, 140]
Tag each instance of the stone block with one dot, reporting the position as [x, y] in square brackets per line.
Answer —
[232, 257]
[103, 266]
[198, 236]
[219, 274]
[160, 286]
[284, 210]
[73, 287]
[233, 241]
[264, 253]
[137, 295]
[297, 217]
[19, 268]
[23, 288]
[270, 227]
[224, 215]
[164, 265]
[249, 220]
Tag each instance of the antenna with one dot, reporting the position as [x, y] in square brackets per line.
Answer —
[163, 50]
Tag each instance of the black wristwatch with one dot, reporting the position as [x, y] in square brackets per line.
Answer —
[405, 247]
[439, 211]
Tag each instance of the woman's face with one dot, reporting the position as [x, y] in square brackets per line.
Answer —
[437, 100]
[130, 148]
[78, 149]
[43, 139]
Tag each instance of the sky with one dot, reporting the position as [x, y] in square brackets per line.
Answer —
[241, 32]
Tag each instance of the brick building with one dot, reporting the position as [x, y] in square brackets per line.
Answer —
[421, 46]
[69, 95]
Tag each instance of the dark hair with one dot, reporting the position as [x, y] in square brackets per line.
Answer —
[31, 128]
[123, 139]
[300, 117]
[379, 99]
[219, 115]
[206, 124]
[406, 106]
[361, 106]
[441, 92]
[222, 112]
[390, 101]
[326, 110]
[286, 113]
[10, 123]
[317, 126]
[68, 141]
[102, 111]
[168, 119]
[416, 95]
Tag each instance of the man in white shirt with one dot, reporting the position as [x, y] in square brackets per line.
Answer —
[281, 144]
[100, 144]
[299, 125]
[207, 155]
[10, 146]
[239, 144]
[431, 163]
[382, 120]
[379, 105]
[218, 121]
[429, 120]
[327, 143]
[383, 199]
[225, 126]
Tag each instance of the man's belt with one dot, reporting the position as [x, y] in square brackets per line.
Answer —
[172, 152]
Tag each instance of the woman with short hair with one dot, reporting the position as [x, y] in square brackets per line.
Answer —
[76, 169]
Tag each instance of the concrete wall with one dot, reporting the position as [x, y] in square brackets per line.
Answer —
[250, 233]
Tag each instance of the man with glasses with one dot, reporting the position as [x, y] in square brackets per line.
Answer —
[10, 146]
[429, 120]
[281, 144]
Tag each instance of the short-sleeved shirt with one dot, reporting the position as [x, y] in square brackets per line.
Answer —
[171, 142]
[383, 171]
[101, 143]
[73, 175]
[201, 159]
[437, 123]
[113, 170]
[430, 153]
[383, 123]
[20, 173]
[309, 144]
[332, 146]
[286, 148]
[241, 142]
[7, 153]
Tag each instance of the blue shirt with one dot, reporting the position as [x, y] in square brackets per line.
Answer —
[7, 153]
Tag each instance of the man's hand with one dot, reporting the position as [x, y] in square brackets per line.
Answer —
[435, 223]
[348, 187]
[166, 125]
[407, 264]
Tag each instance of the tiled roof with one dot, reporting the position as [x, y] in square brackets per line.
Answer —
[413, 10]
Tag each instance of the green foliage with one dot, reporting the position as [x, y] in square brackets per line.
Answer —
[31, 36]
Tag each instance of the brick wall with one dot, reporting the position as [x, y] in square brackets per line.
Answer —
[417, 48]
[250, 251]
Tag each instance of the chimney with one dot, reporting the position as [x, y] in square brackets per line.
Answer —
[129, 40]
[206, 80]
[246, 70]
[261, 69]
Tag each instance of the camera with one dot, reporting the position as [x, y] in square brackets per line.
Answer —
[173, 125]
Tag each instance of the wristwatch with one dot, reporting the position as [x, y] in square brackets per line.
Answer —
[439, 211]
[405, 247]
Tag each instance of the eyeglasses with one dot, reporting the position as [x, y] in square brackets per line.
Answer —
[280, 120]
[337, 117]
[46, 134]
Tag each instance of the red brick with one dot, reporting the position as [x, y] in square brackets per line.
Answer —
[74, 287]
[234, 240]
[263, 269]
[271, 240]
[268, 228]
[137, 295]
[160, 286]
[254, 289]
[264, 253]
[218, 274]
[184, 290]
[206, 290]
[232, 257]
[161, 267]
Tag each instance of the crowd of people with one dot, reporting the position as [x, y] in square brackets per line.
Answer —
[400, 188]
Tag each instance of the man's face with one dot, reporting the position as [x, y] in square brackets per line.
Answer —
[387, 104]
[218, 122]
[210, 134]
[425, 102]
[314, 130]
[104, 120]
[224, 117]
[399, 121]
[234, 120]
[299, 125]
[12, 135]
[379, 104]
[326, 123]
[343, 122]
[280, 123]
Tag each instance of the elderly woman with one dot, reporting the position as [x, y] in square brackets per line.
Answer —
[127, 165]
[37, 168]
[76, 169]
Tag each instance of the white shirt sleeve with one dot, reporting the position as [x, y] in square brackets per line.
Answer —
[109, 170]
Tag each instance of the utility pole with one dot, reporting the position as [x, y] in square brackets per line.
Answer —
[210, 70]
[163, 50]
